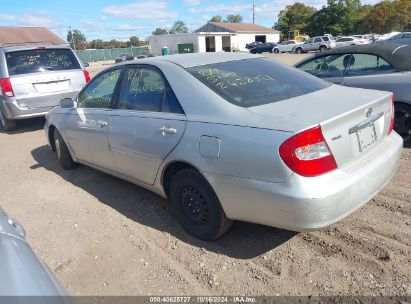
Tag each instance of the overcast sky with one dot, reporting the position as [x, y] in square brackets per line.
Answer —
[120, 19]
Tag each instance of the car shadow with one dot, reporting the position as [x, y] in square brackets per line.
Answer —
[243, 241]
[26, 125]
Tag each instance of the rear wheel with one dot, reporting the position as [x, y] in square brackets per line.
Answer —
[63, 153]
[298, 50]
[402, 122]
[323, 48]
[197, 207]
[7, 124]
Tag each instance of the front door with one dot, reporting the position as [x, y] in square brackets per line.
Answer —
[147, 124]
[87, 126]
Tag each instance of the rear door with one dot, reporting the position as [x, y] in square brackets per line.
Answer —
[87, 125]
[147, 124]
[38, 75]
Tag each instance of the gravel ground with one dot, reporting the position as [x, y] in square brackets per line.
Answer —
[105, 236]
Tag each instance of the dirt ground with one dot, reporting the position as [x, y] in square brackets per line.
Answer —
[105, 236]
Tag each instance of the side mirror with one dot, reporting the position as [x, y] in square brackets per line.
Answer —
[67, 103]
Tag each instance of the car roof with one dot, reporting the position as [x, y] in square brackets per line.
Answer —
[398, 55]
[196, 59]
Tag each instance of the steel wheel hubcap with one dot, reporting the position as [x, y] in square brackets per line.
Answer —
[194, 205]
[57, 145]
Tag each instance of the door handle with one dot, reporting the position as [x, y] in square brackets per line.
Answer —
[102, 123]
[167, 130]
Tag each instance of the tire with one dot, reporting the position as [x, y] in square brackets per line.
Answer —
[7, 124]
[197, 207]
[276, 51]
[323, 48]
[402, 122]
[63, 153]
[299, 51]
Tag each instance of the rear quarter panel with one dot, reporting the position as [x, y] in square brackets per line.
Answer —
[243, 151]
[398, 83]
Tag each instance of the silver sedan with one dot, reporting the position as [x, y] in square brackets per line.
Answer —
[232, 137]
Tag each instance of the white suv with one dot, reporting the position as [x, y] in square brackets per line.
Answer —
[319, 43]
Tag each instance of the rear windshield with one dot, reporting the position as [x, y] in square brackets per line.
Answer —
[40, 60]
[253, 82]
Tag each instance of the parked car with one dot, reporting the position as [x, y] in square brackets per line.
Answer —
[286, 46]
[231, 136]
[320, 43]
[124, 57]
[346, 41]
[366, 39]
[402, 38]
[22, 273]
[252, 45]
[34, 77]
[381, 67]
[262, 48]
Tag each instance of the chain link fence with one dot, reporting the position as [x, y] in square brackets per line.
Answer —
[110, 54]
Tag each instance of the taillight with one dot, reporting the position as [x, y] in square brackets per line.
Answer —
[307, 153]
[6, 88]
[86, 75]
[392, 116]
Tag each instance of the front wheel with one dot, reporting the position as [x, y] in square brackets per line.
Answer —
[197, 207]
[402, 122]
[63, 153]
[7, 124]
[298, 50]
[276, 51]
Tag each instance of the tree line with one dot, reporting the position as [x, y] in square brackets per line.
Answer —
[79, 41]
[344, 17]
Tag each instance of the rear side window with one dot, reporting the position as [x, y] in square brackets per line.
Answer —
[325, 38]
[365, 64]
[41, 60]
[254, 82]
[317, 40]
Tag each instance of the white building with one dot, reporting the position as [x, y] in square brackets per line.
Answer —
[214, 37]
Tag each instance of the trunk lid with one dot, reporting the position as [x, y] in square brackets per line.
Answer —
[354, 122]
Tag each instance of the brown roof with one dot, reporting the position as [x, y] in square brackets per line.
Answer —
[14, 35]
[244, 27]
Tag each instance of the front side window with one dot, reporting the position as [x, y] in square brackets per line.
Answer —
[99, 93]
[41, 60]
[326, 66]
[145, 89]
[365, 64]
[254, 82]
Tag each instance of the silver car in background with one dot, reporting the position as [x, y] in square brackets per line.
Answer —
[34, 77]
[22, 274]
[232, 137]
[380, 67]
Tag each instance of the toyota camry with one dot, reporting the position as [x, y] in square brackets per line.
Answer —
[232, 137]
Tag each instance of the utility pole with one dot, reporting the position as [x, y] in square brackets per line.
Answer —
[253, 9]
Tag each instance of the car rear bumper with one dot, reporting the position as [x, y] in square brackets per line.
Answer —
[22, 108]
[303, 203]
[13, 111]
